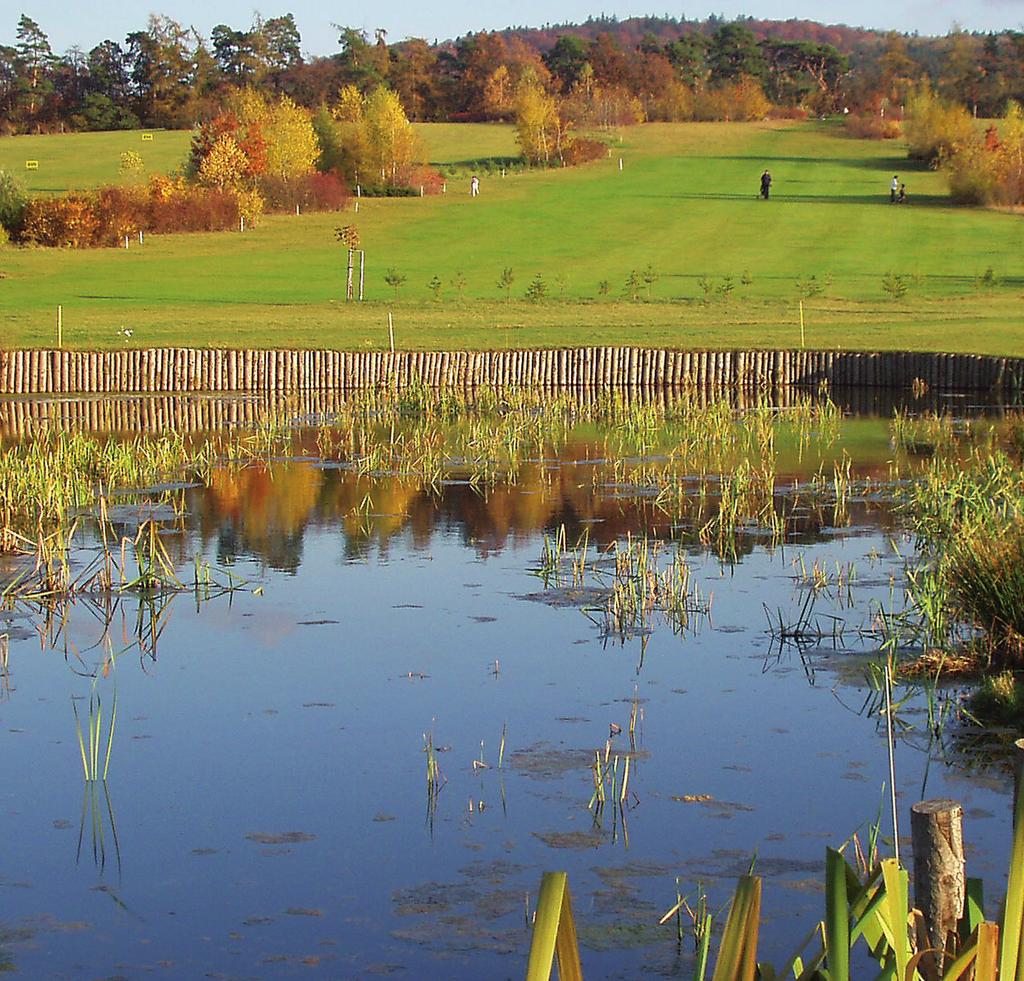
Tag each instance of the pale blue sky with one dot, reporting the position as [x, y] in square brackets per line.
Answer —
[87, 22]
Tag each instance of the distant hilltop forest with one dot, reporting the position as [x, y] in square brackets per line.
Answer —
[642, 68]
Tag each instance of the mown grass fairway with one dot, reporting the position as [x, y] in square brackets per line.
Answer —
[685, 204]
[74, 161]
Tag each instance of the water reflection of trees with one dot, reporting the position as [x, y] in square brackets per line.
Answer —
[264, 511]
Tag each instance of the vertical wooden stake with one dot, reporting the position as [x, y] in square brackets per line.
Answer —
[140, 236]
[348, 277]
[391, 332]
[362, 273]
[620, 163]
[60, 326]
[801, 323]
[940, 882]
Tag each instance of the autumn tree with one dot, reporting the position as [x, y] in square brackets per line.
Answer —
[566, 59]
[285, 130]
[540, 131]
[414, 76]
[390, 145]
[225, 166]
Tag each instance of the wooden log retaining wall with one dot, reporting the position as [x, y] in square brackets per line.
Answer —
[44, 372]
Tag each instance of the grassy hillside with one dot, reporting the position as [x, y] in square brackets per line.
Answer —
[684, 205]
[79, 160]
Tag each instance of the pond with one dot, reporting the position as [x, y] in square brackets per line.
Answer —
[502, 593]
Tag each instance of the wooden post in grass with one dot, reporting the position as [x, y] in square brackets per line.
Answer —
[362, 273]
[936, 828]
[348, 274]
[60, 326]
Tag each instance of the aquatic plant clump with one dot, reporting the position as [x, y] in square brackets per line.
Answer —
[967, 511]
[986, 573]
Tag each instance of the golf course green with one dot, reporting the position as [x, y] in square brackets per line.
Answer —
[674, 247]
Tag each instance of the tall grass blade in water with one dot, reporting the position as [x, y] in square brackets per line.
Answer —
[94, 736]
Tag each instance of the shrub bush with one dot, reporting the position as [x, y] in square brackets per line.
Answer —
[989, 169]
[69, 221]
[312, 192]
[872, 127]
[736, 101]
[933, 126]
[582, 150]
[13, 201]
[429, 178]
[103, 217]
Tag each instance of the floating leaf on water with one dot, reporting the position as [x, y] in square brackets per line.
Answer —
[282, 838]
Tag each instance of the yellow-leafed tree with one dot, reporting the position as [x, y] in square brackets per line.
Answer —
[292, 145]
[390, 144]
[350, 104]
[540, 132]
[286, 130]
[225, 166]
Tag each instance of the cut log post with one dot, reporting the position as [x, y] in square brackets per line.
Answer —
[939, 878]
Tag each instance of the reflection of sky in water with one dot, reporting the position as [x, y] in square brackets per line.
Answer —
[303, 711]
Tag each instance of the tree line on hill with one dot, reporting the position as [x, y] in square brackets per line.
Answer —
[606, 71]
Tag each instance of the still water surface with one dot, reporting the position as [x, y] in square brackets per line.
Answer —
[266, 814]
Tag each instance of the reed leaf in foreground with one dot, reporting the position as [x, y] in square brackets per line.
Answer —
[554, 933]
[837, 917]
[737, 954]
[1011, 953]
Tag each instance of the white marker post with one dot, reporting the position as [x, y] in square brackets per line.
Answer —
[391, 332]
[620, 163]
[60, 326]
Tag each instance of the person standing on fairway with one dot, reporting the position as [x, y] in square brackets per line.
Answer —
[474, 186]
[893, 188]
[766, 184]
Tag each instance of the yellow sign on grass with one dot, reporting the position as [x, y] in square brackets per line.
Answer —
[147, 137]
[31, 164]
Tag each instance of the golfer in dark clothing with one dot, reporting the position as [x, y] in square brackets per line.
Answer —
[766, 184]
